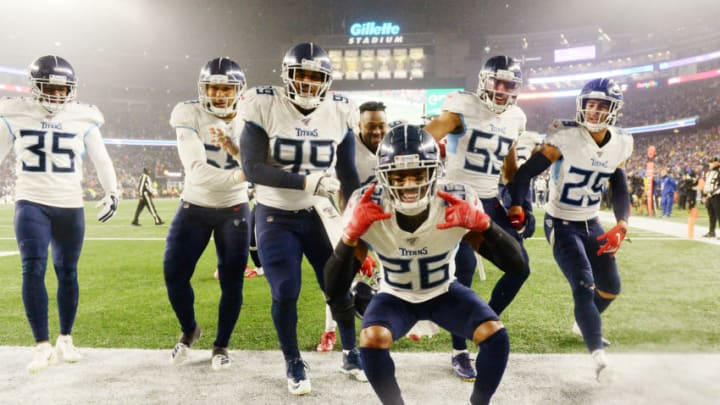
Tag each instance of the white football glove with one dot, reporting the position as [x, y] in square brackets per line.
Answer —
[322, 184]
[108, 205]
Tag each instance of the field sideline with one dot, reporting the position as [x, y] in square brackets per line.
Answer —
[669, 304]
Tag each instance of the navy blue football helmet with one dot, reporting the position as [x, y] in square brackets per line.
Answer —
[606, 91]
[306, 57]
[51, 70]
[408, 151]
[220, 71]
[499, 70]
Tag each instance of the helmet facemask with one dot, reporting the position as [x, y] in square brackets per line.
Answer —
[410, 182]
[306, 94]
[230, 103]
[51, 102]
[497, 100]
[610, 117]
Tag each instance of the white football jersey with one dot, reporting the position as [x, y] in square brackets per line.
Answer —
[209, 170]
[365, 161]
[50, 150]
[415, 266]
[475, 156]
[298, 143]
[577, 179]
[525, 144]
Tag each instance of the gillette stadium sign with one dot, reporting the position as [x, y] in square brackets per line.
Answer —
[371, 33]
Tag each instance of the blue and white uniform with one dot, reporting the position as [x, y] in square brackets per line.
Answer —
[365, 161]
[49, 196]
[214, 204]
[280, 146]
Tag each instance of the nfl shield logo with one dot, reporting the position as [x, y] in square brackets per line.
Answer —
[236, 222]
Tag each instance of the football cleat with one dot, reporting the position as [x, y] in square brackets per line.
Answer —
[327, 342]
[250, 273]
[352, 365]
[603, 372]
[181, 351]
[220, 359]
[44, 356]
[463, 367]
[66, 350]
[298, 381]
[576, 331]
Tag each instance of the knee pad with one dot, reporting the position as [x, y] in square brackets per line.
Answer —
[34, 267]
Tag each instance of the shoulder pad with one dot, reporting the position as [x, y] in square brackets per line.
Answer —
[558, 125]
[454, 102]
[184, 114]
[85, 112]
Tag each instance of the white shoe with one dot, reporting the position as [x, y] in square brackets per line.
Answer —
[221, 359]
[65, 349]
[259, 271]
[602, 369]
[181, 351]
[576, 331]
[297, 379]
[44, 356]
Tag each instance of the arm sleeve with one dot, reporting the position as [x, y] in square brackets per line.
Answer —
[103, 165]
[254, 143]
[502, 249]
[194, 160]
[520, 184]
[345, 166]
[620, 195]
[339, 271]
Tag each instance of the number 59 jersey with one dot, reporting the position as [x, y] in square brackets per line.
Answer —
[475, 156]
[416, 266]
[577, 179]
[298, 143]
[49, 149]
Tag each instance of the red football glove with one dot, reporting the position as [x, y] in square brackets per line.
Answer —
[516, 215]
[368, 266]
[461, 213]
[364, 214]
[614, 237]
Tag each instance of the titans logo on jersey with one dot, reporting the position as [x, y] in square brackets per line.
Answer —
[476, 154]
[420, 265]
[202, 186]
[49, 149]
[365, 161]
[298, 143]
[577, 179]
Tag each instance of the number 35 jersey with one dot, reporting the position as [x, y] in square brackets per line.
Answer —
[50, 148]
[416, 266]
[577, 179]
[475, 156]
[298, 143]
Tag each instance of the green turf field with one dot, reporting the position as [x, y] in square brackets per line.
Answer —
[670, 299]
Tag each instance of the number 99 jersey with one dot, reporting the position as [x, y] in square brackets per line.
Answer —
[577, 179]
[416, 266]
[49, 148]
[475, 156]
[298, 143]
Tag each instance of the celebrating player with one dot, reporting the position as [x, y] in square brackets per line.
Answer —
[214, 203]
[295, 140]
[415, 223]
[51, 133]
[481, 130]
[372, 127]
[584, 155]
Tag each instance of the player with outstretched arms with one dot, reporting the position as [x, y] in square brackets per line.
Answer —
[481, 130]
[299, 149]
[583, 155]
[414, 224]
[214, 203]
[51, 133]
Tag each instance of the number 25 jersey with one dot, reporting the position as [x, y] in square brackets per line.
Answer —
[577, 179]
